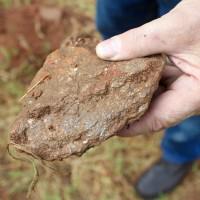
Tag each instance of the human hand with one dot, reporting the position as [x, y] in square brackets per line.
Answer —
[177, 34]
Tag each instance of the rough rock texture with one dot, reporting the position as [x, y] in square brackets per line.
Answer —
[78, 101]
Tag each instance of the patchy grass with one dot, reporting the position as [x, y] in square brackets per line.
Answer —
[107, 172]
[10, 3]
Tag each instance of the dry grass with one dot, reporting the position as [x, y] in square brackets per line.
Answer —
[104, 173]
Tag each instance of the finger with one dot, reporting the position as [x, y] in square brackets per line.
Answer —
[148, 39]
[171, 71]
[187, 66]
[169, 75]
[163, 35]
[161, 89]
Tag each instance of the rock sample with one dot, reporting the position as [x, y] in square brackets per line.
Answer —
[77, 101]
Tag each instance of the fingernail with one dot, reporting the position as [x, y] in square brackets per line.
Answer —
[107, 49]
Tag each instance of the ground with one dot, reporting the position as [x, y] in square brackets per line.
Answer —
[107, 172]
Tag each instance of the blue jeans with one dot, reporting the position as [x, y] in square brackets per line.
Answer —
[181, 143]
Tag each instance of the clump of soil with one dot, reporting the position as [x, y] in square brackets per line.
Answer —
[77, 101]
[29, 33]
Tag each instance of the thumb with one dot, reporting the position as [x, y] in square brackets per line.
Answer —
[151, 38]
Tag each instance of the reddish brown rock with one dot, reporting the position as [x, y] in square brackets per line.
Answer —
[78, 101]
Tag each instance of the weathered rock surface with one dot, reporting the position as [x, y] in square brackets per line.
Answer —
[78, 101]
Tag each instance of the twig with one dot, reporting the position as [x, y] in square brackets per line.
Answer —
[33, 87]
[36, 173]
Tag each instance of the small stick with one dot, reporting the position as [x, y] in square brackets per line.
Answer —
[33, 87]
[35, 178]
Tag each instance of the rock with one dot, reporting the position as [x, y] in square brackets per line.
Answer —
[77, 101]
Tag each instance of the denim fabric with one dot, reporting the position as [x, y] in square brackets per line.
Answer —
[114, 17]
[165, 6]
[181, 143]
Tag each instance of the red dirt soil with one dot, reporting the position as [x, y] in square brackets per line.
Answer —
[33, 31]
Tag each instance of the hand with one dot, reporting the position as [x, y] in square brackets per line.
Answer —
[176, 34]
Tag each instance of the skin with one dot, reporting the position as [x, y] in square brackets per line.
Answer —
[176, 34]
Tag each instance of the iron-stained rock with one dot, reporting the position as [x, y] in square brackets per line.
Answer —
[78, 101]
